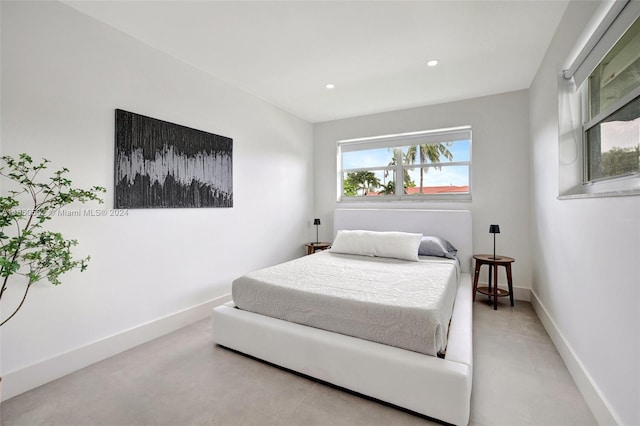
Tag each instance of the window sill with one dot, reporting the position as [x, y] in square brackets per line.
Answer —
[604, 194]
[626, 186]
[415, 199]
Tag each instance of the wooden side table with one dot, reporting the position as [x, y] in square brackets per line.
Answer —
[314, 247]
[495, 292]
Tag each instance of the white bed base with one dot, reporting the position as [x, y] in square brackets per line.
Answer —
[435, 387]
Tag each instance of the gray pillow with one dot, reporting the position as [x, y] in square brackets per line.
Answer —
[436, 246]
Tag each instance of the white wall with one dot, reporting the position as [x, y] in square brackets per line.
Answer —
[63, 75]
[500, 169]
[585, 256]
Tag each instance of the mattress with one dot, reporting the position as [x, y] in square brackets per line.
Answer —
[395, 302]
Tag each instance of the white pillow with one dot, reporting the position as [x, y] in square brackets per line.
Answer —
[398, 245]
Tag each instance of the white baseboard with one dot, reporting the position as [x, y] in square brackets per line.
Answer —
[27, 378]
[590, 392]
[522, 293]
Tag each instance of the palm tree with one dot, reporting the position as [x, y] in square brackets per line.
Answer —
[389, 188]
[365, 181]
[408, 183]
[430, 152]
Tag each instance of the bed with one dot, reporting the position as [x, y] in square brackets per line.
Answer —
[436, 387]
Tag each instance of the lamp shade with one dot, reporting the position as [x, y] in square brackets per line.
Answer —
[316, 221]
[494, 229]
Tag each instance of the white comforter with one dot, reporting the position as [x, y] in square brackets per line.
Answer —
[395, 302]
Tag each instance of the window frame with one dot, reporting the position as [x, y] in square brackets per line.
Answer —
[632, 177]
[589, 121]
[616, 19]
[393, 141]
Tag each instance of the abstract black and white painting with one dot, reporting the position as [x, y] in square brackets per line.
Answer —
[165, 165]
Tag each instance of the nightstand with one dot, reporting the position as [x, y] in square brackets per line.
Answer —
[314, 247]
[493, 291]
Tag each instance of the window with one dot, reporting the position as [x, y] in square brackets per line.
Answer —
[434, 164]
[612, 130]
[599, 150]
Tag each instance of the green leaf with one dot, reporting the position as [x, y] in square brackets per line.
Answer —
[28, 249]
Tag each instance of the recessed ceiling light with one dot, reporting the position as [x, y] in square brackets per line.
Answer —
[432, 62]
[330, 86]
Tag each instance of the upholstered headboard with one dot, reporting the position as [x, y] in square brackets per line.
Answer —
[453, 225]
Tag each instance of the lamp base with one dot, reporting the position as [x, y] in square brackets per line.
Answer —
[495, 258]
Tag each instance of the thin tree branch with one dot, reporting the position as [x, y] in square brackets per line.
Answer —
[24, 297]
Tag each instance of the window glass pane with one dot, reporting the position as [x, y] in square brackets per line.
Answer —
[370, 167]
[461, 150]
[367, 158]
[437, 180]
[436, 153]
[618, 73]
[369, 183]
[613, 146]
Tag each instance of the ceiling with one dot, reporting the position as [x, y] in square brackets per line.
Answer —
[374, 52]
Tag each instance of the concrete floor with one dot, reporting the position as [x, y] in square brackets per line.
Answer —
[184, 379]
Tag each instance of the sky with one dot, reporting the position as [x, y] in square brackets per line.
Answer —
[620, 134]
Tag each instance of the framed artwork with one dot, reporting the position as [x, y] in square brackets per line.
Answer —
[164, 165]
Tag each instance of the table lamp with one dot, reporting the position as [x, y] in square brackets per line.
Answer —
[316, 222]
[494, 229]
